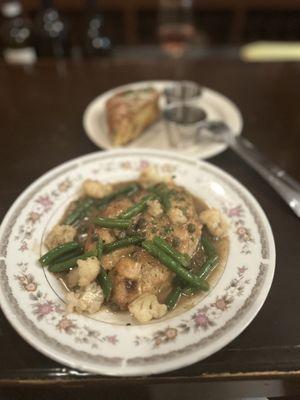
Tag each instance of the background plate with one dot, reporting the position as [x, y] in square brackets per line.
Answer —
[216, 105]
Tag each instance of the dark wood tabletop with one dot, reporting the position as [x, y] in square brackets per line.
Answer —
[41, 127]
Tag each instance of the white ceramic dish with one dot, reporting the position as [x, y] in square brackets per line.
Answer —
[31, 297]
[217, 107]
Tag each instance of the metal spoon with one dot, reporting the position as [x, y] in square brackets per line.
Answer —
[286, 186]
[185, 122]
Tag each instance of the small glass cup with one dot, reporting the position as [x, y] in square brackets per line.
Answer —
[182, 122]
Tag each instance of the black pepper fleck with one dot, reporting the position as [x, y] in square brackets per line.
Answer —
[130, 284]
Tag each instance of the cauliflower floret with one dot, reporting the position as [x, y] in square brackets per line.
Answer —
[88, 270]
[154, 208]
[96, 189]
[60, 234]
[177, 216]
[72, 278]
[150, 175]
[215, 221]
[85, 300]
[147, 307]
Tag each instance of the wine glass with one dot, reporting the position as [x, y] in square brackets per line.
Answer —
[177, 32]
[176, 29]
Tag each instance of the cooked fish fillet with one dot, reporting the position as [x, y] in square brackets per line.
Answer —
[141, 273]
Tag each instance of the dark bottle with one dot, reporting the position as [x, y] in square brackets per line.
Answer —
[50, 31]
[96, 42]
[16, 34]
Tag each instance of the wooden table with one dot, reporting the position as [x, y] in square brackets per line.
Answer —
[40, 113]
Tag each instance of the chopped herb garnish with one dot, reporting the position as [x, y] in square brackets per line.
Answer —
[167, 229]
[95, 237]
[153, 229]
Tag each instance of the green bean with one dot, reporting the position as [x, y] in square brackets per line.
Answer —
[137, 208]
[211, 258]
[86, 204]
[68, 264]
[163, 193]
[174, 266]
[69, 255]
[208, 247]
[208, 265]
[82, 207]
[173, 298]
[188, 290]
[100, 247]
[118, 244]
[105, 283]
[58, 251]
[129, 190]
[183, 259]
[116, 223]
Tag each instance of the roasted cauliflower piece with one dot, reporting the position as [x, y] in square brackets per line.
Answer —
[177, 216]
[147, 307]
[215, 222]
[72, 278]
[88, 271]
[85, 273]
[85, 300]
[96, 189]
[151, 175]
[154, 208]
[60, 234]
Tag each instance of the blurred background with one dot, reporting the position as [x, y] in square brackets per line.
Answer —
[32, 29]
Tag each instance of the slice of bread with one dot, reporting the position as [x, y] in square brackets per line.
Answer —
[130, 113]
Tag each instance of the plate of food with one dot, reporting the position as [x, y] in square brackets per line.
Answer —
[134, 262]
[130, 116]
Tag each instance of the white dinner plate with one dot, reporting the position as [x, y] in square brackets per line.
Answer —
[216, 105]
[31, 297]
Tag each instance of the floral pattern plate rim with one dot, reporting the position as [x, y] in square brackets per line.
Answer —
[32, 299]
[216, 105]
